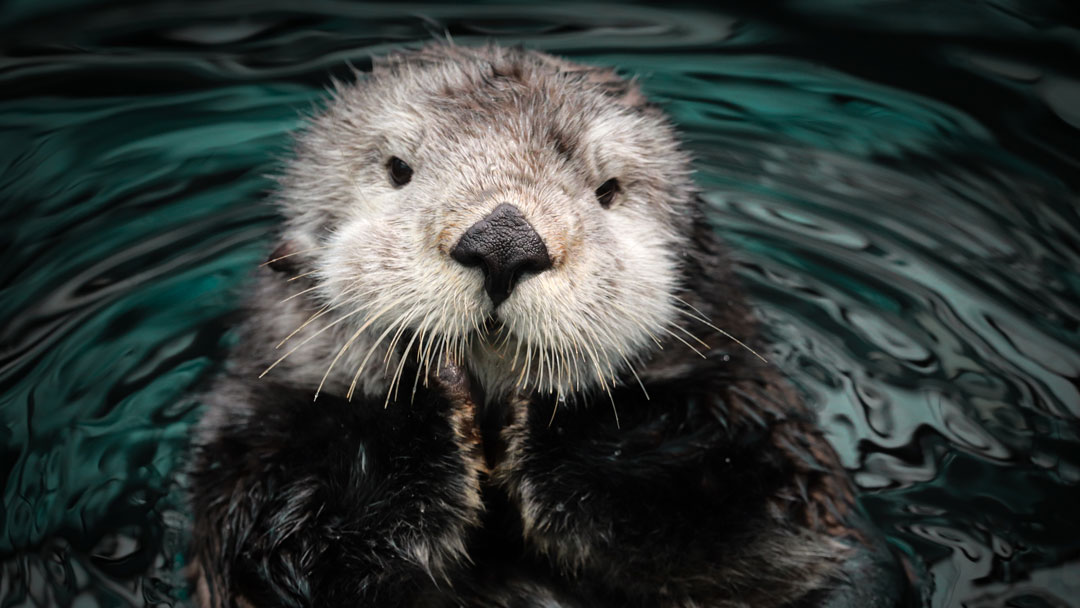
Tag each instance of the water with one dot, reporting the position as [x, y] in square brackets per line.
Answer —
[898, 180]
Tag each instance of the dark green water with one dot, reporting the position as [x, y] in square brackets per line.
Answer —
[899, 181]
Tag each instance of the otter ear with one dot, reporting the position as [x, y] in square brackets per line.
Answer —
[622, 90]
[283, 258]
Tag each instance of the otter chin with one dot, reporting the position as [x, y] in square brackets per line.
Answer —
[498, 358]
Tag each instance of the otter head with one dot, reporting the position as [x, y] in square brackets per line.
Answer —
[518, 213]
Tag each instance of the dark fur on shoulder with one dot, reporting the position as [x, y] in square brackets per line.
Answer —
[715, 489]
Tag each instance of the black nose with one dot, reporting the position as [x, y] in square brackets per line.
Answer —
[504, 245]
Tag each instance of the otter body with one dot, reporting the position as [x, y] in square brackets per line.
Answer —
[496, 278]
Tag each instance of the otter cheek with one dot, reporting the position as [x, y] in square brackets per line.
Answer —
[356, 256]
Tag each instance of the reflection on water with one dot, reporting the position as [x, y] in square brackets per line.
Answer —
[898, 185]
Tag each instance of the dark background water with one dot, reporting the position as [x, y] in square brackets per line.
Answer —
[898, 180]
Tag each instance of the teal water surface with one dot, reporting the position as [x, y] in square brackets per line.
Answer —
[898, 181]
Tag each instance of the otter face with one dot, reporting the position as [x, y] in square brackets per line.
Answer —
[516, 212]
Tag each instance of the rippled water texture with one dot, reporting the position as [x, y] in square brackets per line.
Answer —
[899, 182]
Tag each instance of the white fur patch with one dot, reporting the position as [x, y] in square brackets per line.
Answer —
[480, 127]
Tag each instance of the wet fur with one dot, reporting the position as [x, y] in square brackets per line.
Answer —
[477, 490]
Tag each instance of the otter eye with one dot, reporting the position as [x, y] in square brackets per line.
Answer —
[605, 194]
[400, 172]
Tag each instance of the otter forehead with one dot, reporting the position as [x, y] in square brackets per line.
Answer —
[519, 212]
[467, 106]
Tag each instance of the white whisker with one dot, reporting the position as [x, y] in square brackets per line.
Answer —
[289, 255]
[310, 338]
[344, 348]
[727, 335]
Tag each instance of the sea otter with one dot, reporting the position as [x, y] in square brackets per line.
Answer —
[498, 358]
